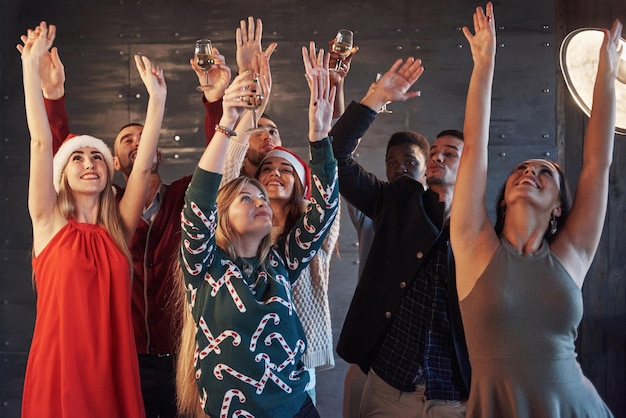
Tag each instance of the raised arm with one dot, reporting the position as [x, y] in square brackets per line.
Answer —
[318, 220]
[394, 85]
[41, 194]
[132, 203]
[252, 57]
[238, 145]
[473, 238]
[217, 80]
[52, 74]
[322, 97]
[360, 188]
[338, 78]
[578, 241]
[233, 102]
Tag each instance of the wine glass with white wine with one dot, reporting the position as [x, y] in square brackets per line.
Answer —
[342, 45]
[203, 56]
[384, 108]
[255, 101]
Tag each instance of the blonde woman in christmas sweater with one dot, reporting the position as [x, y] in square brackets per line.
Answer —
[286, 177]
[249, 340]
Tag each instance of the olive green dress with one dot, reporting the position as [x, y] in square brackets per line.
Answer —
[520, 322]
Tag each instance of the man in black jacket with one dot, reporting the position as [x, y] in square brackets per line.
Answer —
[403, 326]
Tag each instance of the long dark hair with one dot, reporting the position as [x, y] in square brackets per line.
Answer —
[565, 200]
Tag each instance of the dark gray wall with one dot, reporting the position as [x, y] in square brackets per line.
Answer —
[533, 116]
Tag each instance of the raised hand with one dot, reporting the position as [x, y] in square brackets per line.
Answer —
[394, 85]
[261, 66]
[249, 43]
[238, 96]
[52, 73]
[152, 76]
[218, 76]
[483, 42]
[51, 69]
[343, 69]
[315, 62]
[610, 53]
[37, 41]
[321, 103]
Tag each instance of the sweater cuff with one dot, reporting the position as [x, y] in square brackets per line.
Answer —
[321, 151]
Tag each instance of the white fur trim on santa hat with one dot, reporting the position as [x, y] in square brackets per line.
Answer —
[291, 159]
[72, 144]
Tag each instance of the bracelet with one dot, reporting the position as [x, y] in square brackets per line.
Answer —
[226, 131]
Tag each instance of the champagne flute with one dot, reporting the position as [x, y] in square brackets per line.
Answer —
[384, 108]
[342, 45]
[203, 56]
[255, 101]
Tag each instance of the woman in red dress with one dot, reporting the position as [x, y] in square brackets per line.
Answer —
[82, 360]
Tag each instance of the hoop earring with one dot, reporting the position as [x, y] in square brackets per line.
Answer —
[553, 225]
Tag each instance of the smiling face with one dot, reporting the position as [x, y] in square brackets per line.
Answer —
[125, 148]
[86, 171]
[278, 177]
[249, 213]
[537, 181]
[263, 141]
[443, 163]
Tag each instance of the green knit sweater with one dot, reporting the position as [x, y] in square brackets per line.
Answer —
[249, 338]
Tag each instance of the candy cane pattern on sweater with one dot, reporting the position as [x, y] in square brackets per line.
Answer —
[227, 401]
[258, 384]
[326, 192]
[291, 354]
[325, 227]
[292, 263]
[190, 229]
[288, 303]
[265, 351]
[261, 327]
[203, 398]
[232, 272]
[192, 295]
[214, 343]
[303, 245]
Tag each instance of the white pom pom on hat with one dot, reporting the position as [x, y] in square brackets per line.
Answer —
[73, 143]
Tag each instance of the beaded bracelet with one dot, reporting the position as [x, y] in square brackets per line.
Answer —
[226, 131]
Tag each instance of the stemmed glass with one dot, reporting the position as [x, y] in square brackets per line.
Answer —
[203, 56]
[255, 101]
[384, 108]
[342, 45]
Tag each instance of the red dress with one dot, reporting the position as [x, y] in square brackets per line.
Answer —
[82, 360]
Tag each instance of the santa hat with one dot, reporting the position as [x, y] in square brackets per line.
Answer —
[298, 164]
[70, 145]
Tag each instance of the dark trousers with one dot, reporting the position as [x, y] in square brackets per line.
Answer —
[158, 385]
[308, 410]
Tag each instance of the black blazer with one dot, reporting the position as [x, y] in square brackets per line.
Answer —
[408, 221]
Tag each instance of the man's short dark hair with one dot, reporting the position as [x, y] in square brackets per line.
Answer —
[451, 132]
[411, 138]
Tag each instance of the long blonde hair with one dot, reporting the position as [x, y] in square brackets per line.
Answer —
[108, 211]
[224, 234]
[187, 395]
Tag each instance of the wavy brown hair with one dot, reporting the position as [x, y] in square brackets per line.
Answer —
[296, 203]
